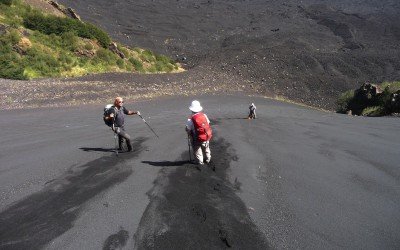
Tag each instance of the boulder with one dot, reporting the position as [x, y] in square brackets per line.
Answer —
[3, 29]
[22, 46]
[368, 91]
[67, 11]
[85, 52]
[367, 95]
[55, 5]
[114, 48]
[70, 12]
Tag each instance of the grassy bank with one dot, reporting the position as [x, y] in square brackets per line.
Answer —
[34, 44]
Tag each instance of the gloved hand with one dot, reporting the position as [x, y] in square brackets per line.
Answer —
[138, 112]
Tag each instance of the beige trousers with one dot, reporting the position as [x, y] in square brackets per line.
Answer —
[200, 148]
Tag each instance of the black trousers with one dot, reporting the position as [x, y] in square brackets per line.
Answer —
[252, 114]
[123, 135]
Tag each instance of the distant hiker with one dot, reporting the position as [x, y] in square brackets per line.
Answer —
[252, 113]
[199, 129]
[117, 115]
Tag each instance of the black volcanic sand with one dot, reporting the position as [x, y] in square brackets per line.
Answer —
[196, 207]
[308, 51]
[39, 218]
[294, 178]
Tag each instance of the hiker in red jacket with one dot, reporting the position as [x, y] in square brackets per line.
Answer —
[199, 130]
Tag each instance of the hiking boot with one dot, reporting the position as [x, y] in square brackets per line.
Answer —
[210, 165]
[199, 166]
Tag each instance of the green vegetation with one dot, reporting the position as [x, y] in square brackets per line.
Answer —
[34, 44]
[392, 86]
[50, 25]
[344, 100]
[371, 100]
[373, 111]
[6, 2]
[136, 63]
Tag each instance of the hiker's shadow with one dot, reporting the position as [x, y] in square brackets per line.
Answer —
[234, 118]
[98, 149]
[166, 163]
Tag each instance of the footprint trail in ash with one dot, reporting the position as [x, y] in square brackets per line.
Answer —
[190, 208]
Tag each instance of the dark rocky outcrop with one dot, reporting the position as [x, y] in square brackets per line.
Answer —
[67, 11]
[3, 29]
[395, 102]
[85, 53]
[114, 48]
[370, 100]
[367, 92]
[367, 95]
[71, 13]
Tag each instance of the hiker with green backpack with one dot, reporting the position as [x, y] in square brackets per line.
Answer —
[114, 117]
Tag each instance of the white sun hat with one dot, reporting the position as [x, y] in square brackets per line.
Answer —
[195, 106]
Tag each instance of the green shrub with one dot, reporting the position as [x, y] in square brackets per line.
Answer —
[383, 98]
[11, 66]
[88, 46]
[128, 67]
[10, 38]
[44, 64]
[52, 41]
[6, 2]
[344, 101]
[393, 86]
[147, 56]
[12, 15]
[66, 59]
[120, 63]
[59, 25]
[164, 59]
[152, 69]
[136, 63]
[70, 41]
[106, 56]
[98, 34]
[124, 51]
[137, 50]
[373, 111]
[163, 67]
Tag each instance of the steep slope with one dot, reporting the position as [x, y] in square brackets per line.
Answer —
[309, 51]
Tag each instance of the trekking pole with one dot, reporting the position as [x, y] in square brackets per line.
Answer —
[190, 153]
[148, 126]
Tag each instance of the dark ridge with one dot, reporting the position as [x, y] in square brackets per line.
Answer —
[194, 207]
[34, 221]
